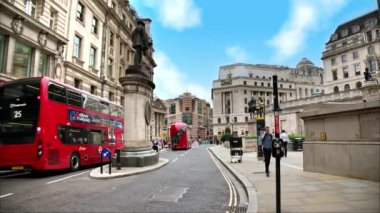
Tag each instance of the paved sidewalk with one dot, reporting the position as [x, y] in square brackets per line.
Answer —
[301, 191]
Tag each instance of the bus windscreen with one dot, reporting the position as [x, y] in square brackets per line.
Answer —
[19, 110]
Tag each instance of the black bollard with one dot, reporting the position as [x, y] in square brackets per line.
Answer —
[118, 164]
[101, 163]
[110, 163]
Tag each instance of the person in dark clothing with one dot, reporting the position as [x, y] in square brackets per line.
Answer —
[267, 149]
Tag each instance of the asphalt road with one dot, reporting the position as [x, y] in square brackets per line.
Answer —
[191, 182]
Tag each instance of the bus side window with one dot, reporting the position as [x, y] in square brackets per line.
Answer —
[74, 135]
[113, 110]
[96, 137]
[57, 93]
[62, 133]
[119, 112]
[91, 104]
[104, 136]
[105, 108]
[74, 98]
[86, 135]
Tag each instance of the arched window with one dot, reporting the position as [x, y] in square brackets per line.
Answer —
[336, 89]
[372, 65]
[358, 84]
[347, 88]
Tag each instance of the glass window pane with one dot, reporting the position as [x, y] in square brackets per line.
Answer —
[22, 60]
[42, 65]
[74, 98]
[77, 44]
[2, 45]
[92, 56]
[57, 93]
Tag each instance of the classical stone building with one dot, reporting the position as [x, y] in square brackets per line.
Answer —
[86, 44]
[32, 38]
[354, 46]
[158, 119]
[100, 46]
[238, 83]
[193, 111]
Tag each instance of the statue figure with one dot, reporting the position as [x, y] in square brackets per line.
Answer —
[261, 107]
[141, 42]
[367, 75]
[252, 106]
[17, 24]
[42, 38]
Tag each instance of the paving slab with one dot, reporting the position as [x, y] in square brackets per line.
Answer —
[301, 191]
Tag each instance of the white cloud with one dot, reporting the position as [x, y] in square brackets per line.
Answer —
[171, 81]
[176, 14]
[237, 54]
[306, 16]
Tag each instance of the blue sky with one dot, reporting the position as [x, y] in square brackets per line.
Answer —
[193, 38]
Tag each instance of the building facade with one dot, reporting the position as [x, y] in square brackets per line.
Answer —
[353, 47]
[158, 119]
[32, 38]
[189, 109]
[100, 46]
[86, 44]
[238, 83]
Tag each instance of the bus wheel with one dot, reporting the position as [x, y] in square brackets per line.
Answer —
[74, 162]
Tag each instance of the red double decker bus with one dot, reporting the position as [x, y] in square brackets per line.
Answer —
[179, 136]
[47, 125]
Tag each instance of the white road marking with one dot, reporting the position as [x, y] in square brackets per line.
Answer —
[174, 160]
[231, 187]
[9, 194]
[67, 177]
[292, 166]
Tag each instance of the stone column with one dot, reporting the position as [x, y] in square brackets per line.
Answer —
[137, 148]
[10, 55]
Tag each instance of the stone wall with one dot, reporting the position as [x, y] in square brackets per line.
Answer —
[351, 146]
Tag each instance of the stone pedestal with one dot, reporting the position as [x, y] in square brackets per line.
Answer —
[371, 89]
[137, 148]
[252, 128]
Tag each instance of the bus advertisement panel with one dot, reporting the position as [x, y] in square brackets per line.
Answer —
[179, 136]
[46, 125]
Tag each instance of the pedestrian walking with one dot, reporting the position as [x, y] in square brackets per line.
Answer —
[285, 139]
[267, 149]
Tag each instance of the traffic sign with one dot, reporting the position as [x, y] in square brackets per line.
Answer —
[106, 153]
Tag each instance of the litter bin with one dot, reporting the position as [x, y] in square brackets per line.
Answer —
[297, 144]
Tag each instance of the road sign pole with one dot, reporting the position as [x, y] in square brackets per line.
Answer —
[276, 110]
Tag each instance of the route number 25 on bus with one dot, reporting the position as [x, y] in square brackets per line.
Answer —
[47, 125]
